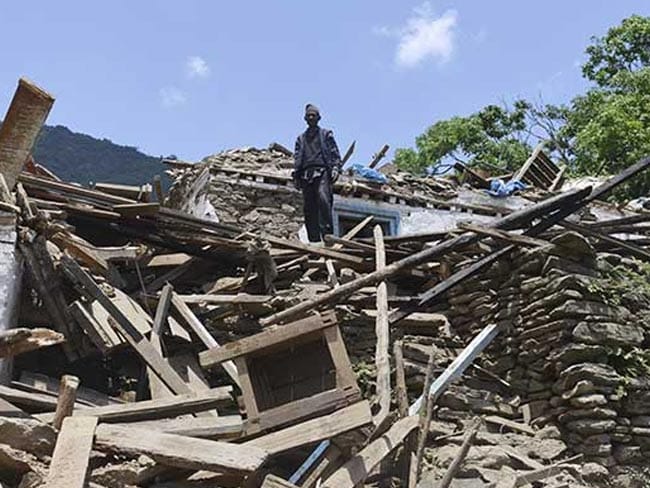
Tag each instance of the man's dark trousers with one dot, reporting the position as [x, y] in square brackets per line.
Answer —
[317, 203]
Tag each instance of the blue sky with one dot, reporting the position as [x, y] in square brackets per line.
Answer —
[195, 77]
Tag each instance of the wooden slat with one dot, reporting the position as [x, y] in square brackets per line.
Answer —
[343, 420]
[43, 383]
[18, 341]
[382, 332]
[272, 481]
[357, 469]
[265, 339]
[208, 340]
[155, 409]
[180, 451]
[224, 427]
[305, 408]
[69, 466]
[126, 328]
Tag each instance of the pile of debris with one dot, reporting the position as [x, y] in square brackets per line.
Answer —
[159, 348]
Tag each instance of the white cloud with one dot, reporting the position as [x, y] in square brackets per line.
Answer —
[197, 67]
[424, 36]
[172, 97]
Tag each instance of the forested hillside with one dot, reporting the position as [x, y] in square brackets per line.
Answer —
[83, 159]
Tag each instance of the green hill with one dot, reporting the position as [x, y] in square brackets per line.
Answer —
[82, 158]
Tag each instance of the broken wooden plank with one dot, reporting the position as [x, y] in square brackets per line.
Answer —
[633, 249]
[69, 466]
[223, 427]
[38, 401]
[458, 366]
[320, 251]
[42, 383]
[170, 259]
[180, 451]
[382, 332]
[238, 299]
[453, 468]
[65, 402]
[136, 209]
[18, 341]
[208, 340]
[266, 339]
[69, 189]
[146, 351]
[103, 339]
[400, 379]
[21, 125]
[156, 409]
[343, 420]
[425, 413]
[133, 192]
[357, 469]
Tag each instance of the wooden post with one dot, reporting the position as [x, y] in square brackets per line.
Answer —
[382, 332]
[21, 125]
[425, 419]
[157, 186]
[458, 460]
[378, 157]
[400, 380]
[67, 397]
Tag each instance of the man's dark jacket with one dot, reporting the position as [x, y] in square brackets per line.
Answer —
[329, 150]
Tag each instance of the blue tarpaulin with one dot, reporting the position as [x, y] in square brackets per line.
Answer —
[499, 188]
[368, 173]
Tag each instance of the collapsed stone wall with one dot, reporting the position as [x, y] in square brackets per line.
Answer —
[570, 354]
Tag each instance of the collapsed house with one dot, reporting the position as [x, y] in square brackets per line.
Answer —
[442, 338]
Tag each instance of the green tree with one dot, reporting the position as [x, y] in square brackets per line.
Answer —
[493, 138]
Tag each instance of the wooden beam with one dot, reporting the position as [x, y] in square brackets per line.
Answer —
[266, 339]
[462, 453]
[400, 379]
[66, 400]
[348, 153]
[156, 409]
[224, 427]
[70, 189]
[42, 383]
[425, 413]
[503, 235]
[357, 469]
[320, 251]
[238, 299]
[21, 125]
[136, 209]
[382, 332]
[69, 466]
[102, 339]
[18, 341]
[379, 156]
[206, 338]
[339, 422]
[121, 323]
[180, 451]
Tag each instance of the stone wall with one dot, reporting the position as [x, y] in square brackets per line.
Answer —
[570, 347]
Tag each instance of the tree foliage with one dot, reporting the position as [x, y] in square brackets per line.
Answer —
[599, 132]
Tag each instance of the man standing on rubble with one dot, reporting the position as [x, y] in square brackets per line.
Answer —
[317, 165]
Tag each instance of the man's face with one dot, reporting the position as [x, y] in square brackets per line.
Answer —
[312, 119]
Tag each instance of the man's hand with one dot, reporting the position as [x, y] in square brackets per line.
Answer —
[336, 172]
[296, 180]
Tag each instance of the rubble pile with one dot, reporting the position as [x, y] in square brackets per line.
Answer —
[166, 342]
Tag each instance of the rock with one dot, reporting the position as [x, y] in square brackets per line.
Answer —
[132, 472]
[27, 434]
[587, 427]
[574, 244]
[546, 449]
[576, 352]
[594, 473]
[598, 374]
[548, 432]
[598, 413]
[628, 454]
[608, 333]
[588, 401]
